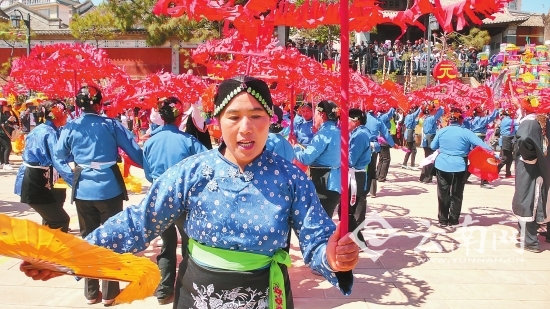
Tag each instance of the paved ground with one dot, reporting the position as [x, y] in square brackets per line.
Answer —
[472, 266]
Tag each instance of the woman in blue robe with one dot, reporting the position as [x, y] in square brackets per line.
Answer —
[40, 170]
[241, 202]
[322, 156]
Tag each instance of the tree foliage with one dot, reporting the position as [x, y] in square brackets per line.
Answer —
[10, 36]
[96, 25]
[137, 14]
[476, 37]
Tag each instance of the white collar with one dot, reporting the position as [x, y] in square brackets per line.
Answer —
[528, 117]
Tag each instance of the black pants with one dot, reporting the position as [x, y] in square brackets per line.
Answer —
[93, 214]
[5, 149]
[371, 172]
[529, 233]
[450, 192]
[53, 214]
[506, 158]
[383, 164]
[426, 175]
[358, 211]
[329, 199]
[412, 154]
[167, 258]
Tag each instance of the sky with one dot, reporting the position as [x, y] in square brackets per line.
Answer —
[535, 6]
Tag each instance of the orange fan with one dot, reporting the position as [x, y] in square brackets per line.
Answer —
[483, 164]
[54, 250]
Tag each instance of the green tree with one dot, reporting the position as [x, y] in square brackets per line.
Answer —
[476, 37]
[138, 14]
[10, 36]
[96, 25]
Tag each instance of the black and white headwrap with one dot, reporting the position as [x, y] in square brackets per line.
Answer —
[230, 88]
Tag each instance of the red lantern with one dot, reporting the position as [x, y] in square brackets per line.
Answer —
[445, 71]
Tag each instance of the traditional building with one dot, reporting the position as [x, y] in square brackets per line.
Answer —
[49, 21]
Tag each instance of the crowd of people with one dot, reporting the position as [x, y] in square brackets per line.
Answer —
[410, 57]
[239, 202]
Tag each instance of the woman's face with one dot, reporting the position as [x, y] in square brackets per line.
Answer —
[245, 125]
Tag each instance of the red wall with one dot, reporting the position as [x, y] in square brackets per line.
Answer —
[139, 62]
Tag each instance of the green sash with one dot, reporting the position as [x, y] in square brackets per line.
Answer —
[246, 261]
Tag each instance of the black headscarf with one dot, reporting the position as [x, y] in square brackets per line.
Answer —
[230, 88]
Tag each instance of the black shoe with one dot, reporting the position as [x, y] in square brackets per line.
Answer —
[534, 249]
[486, 186]
[443, 224]
[453, 223]
[166, 300]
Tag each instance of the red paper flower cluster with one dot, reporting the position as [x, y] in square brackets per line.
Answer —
[58, 70]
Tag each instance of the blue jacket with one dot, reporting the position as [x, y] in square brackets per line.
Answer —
[376, 128]
[385, 118]
[277, 144]
[508, 126]
[454, 144]
[430, 122]
[324, 151]
[411, 120]
[166, 147]
[93, 140]
[479, 124]
[359, 148]
[39, 148]
[303, 130]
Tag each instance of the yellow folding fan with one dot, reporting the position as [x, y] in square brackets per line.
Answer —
[54, 250]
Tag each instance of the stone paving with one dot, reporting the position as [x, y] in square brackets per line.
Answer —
[412, 263]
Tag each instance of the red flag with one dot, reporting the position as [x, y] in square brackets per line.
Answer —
[483, 164]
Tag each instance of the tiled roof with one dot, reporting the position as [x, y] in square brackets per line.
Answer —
[535, 20]
[507, 17]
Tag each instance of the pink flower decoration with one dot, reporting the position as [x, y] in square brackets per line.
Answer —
[274, 119]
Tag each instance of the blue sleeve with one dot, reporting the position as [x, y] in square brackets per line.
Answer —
[62, 150]
[439, 113]
[477, 141]
[386, 117]
[488, 119]
[146, 165]
[356, 143]
[128, 144]
[435, 143]
[132, 229]
[313, 228]
[60, 165]
[312, 152]
[415, 114]
[386, 134]
[196, 146]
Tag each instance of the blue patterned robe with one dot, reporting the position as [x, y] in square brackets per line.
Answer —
[251, 211]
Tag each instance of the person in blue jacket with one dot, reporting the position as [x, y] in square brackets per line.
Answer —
[507, 132]
[303, 125]
[478, 125]
[40, 169]
[429, 128]
[98, 186]
[359, 158]
[454, 144]
[376, 129]
[384, 158]
[322, 156]
[276, 143]
[411, 121]
[166, 147]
